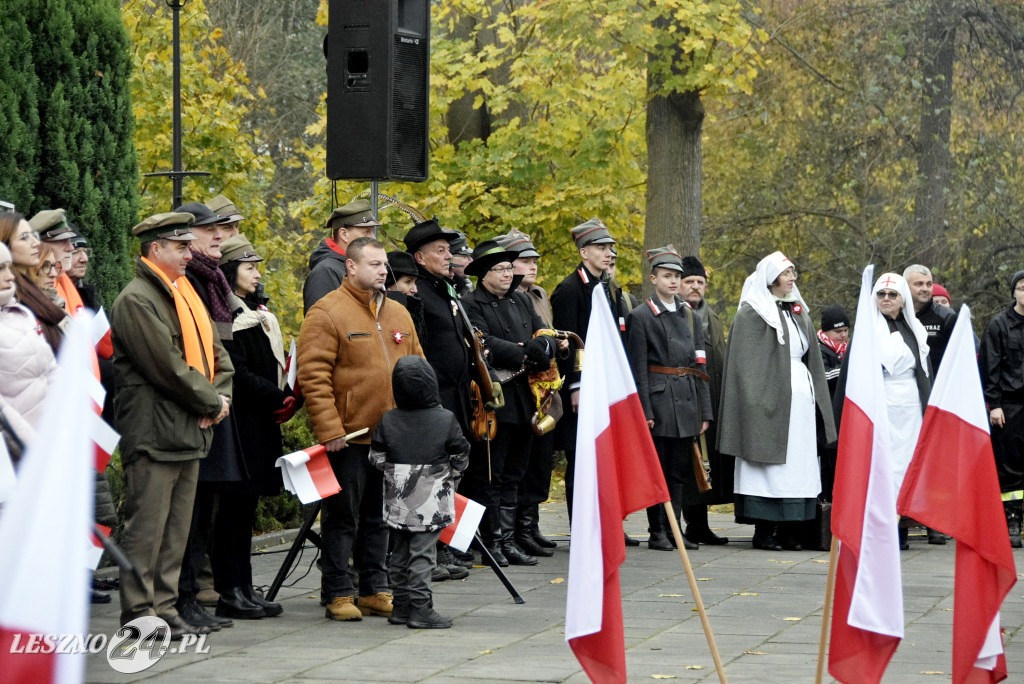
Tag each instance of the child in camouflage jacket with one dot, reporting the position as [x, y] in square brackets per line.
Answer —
[423, 453]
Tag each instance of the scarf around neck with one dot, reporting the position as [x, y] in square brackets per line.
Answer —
[838, 347]
[196, 329]
[217, 288]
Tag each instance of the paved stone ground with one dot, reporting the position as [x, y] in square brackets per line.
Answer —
[764, 608]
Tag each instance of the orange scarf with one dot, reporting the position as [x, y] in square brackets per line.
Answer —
[66, 288]
[196, 329]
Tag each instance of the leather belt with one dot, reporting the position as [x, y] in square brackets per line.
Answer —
[666, 370]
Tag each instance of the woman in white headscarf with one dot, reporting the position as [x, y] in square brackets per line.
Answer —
[907, 376]
[772, 389]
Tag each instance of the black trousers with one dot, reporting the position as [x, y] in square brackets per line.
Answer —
[412, 560]
[536, 484]
[232, 540]
[354, 528]
[510, 452]
[1008, 448]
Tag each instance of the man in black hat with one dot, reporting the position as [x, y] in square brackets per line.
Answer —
[401, 285]
[80, 255]
[174, 385]
[444, 342]
[1002, 373]
[570, 310]
[693, 290]
[327, 262]
[508, 322]
[462, 256]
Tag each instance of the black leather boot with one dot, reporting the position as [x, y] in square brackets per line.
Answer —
[425, 617]
[233, 604]
[764, 537]
[525, 522]
[514, 555]
[1013, 521]
[658, 539]
[539, 538]
[936, 537]
[194, 614]
[697, 528]
[490, 535]
[270, 608]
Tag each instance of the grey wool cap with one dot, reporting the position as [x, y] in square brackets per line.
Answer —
[592, 232]
[665, 257]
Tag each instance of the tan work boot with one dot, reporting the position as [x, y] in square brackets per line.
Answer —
[378, 604]
[208, 598]
[343, 608]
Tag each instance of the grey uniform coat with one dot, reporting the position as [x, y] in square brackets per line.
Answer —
[656, 336]
[753, 419]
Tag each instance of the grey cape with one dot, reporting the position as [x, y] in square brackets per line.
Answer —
[753, 421]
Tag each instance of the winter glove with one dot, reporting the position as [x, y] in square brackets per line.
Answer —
[537, 354]
[499, 399]
[288, 408]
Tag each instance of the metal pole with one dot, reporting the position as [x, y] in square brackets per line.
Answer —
[373, 199]
[175, 6]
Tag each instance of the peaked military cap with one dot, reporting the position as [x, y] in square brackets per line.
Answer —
[52, 225]
[225, 208]
[204, 217]
[356, 213]
[518, 241]
[460, 245]
[175, 225]
[593, 232]
[665, 257]
[238, 248]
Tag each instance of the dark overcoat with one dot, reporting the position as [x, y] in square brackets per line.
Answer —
[656, 336]
[258, 394]
[507, 323]
[757, 389]
[445, 345]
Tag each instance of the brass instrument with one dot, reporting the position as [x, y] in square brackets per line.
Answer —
[544, 385]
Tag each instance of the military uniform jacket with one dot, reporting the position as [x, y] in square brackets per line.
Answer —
[570, 310]
[507, 322]
[444, 344]
[656, 336]
[938, 321]
[1002, 359]
[160, 397]
[422, 451]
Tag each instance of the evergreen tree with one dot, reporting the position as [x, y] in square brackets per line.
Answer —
[75, 123]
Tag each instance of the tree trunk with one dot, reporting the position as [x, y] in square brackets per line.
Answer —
[933, 137]
[674, 172]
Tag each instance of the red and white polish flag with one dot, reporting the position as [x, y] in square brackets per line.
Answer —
[292, 367]
[45, 545]
[867, 621]
[952, 486]
[308, 475]
[617, 473]
[459, 535]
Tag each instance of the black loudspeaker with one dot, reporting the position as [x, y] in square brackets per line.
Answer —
[378, 86]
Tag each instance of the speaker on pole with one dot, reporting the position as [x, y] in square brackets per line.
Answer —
[378, 86]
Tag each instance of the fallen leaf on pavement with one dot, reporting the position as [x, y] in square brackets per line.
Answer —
[745, 593]
[663, 676]
[670, 595]
[792, 619]
[755, 652]
[694, 667]
[705, 579]
[484, 652]
[558, 580]
[931, 672]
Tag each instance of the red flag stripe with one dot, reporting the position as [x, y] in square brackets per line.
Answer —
[320, 471]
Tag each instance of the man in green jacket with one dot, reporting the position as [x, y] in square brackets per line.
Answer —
[174, 385]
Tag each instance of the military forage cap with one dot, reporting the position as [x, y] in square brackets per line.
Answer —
[225, 208]
[518, 241]
[238, 248]
[203, 215]
[171, 226]
[460, 244]
[665, 257]
[52, 225]
[593, 232]
[352, 214]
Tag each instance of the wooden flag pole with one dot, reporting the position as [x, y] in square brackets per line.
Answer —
[678, 536]
[826, 610]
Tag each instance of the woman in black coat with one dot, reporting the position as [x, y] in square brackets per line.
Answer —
[262, 401]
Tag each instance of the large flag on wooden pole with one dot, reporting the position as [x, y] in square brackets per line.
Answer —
[952, 486]
[867, 624]
[617, 473]
[46, 526]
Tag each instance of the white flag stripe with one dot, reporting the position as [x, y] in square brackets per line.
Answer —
[45, 545]
[993, 646]
[298, 481]
[293, 366]
[7, 477]
[584, 600]
[468, 523]
[877, 601]
[100, 326]
[105, 437]
[96, 391]
[957, 391]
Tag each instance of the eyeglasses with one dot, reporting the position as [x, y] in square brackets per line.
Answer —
[87, 251]
[887, 294]
[502, 269]
[31, 236]
[48, 266]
